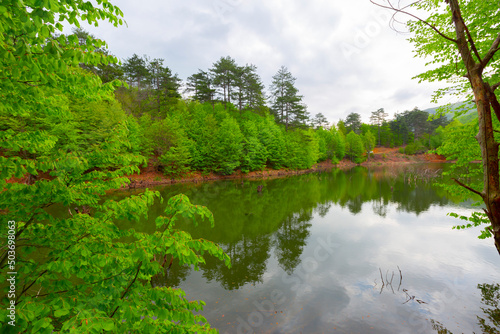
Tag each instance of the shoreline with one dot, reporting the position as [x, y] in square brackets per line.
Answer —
[149, 177]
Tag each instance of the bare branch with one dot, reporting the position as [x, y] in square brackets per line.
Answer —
[491, 52]
[391, 7]
[495, 86]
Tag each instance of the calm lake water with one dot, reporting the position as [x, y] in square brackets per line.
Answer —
[357, 251]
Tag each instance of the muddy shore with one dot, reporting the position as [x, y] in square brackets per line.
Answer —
[149, 176]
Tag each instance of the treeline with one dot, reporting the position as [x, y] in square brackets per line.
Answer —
[411, 130]
[230, 122]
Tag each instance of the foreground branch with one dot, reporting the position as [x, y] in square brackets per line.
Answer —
[128, 288]
[391, 7]
[468, 188]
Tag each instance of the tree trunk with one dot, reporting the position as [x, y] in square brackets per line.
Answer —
[485, 137]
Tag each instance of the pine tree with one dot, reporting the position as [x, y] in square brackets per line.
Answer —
[287, 105]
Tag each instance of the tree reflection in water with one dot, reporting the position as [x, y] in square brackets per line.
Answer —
[490, 298]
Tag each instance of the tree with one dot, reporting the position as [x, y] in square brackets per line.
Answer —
[164, 85]
[136, 71]
[354, 147]
[377, 118]
[84, 277]
[107, 72]
[223, 72]
[201, 84]
[353, 123]
[287, 105]
[254, 90]
[248, 88]
[341, 127]
[369, 143]
[469, 28]
[338, 144]
[319, 120]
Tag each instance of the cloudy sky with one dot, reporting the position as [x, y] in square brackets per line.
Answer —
[344, 55]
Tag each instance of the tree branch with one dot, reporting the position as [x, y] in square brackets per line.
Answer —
[491, 52]
[99, 281]
[128, 288]
[493, 100]
[45, 271]
[468, 188]
[391, 7]
[471, 41]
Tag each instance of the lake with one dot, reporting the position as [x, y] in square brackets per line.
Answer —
[354, 251]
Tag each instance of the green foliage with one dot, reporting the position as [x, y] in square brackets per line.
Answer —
[415, 148]
[167, 139]
[338, 143]
[354, 147]
[273, 139]
[369, 142]
[229, 146]
[67, 143]
[476, 219]
[287, 105]
[254, 152]
[459, 144]
[429, 44]
[175, 162]
[302, 149]
[353, 123]
[326, 144]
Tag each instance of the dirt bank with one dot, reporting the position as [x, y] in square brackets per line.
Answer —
[381, 156]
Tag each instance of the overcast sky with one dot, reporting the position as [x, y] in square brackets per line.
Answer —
[344, 55]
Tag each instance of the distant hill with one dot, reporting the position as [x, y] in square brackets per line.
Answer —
[468, 110]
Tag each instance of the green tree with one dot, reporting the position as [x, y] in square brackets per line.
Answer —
[287, 105]
[75, 273]
[353, 123]
[338, 144]
[253, 92]
[302, 149]
[369, 143]
[164, 86]
[354, 147]
[273, 139]
[107, 72]
[229, 146]
[341, 127]
[254, 152]
[319, 120]
[201, 85]
[377, 118]
[326, 144]
[469, 28]
[136, 72]
[224, 72]
[248, 89]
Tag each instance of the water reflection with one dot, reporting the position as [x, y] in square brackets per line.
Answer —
[305, 251]
[489, 321]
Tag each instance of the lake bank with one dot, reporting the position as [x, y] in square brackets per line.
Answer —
[149, 176]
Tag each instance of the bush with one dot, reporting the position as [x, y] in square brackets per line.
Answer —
[415, 148]
[176, 161]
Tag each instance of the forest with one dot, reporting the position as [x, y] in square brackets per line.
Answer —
[223, 119]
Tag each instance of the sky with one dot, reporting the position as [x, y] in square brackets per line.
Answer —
[343, 54]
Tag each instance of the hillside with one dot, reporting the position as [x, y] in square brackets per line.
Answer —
[467, 111]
